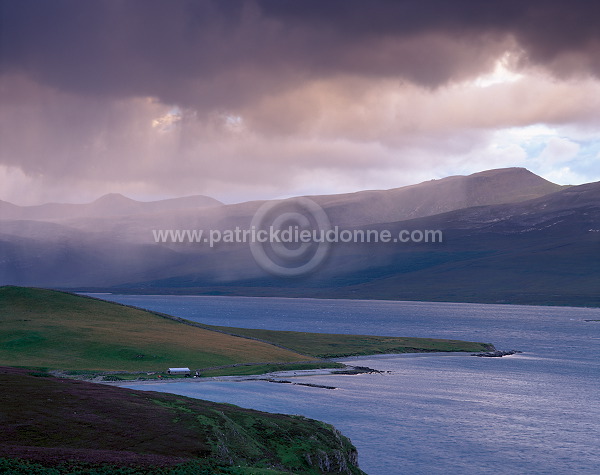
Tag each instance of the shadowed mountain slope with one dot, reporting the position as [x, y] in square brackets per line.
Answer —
[542, 251]
[506, 185]
[509, 236]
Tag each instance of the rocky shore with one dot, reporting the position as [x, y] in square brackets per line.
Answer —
[496, 354]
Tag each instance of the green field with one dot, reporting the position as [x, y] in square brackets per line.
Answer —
[58, 330]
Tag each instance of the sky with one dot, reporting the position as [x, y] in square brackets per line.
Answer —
[276, 98]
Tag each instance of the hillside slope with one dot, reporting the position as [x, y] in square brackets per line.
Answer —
[544, 251]
[490, 187]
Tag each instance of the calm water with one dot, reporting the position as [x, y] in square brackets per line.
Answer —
[532, 413]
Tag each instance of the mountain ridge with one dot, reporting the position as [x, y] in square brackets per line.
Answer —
[504, 244]
[439, 196]
[543, 252]
[111, 204]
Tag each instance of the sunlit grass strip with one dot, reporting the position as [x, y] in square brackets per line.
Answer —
[325, 345]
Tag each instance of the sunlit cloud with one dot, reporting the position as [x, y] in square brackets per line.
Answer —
[167, 122]
[501, 73]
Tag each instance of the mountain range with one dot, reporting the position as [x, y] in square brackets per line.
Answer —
[113, 204]
[509, 236]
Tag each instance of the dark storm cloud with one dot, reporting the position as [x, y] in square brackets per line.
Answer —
[179, 97]
[223, 54]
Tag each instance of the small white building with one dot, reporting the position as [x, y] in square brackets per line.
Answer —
[179, 371]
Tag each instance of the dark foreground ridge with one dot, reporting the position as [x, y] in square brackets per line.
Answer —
[79, 425]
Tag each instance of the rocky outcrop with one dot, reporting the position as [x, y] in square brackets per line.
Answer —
[343, 461]
[496, 354]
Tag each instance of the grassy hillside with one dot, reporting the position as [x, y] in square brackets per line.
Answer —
[58, 330]
[75, 424]
[325, 345]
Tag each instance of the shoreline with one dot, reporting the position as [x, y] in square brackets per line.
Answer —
[351, 370]
[270, 377]
[86, 291]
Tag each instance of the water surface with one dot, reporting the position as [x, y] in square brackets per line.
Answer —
[536, 412]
